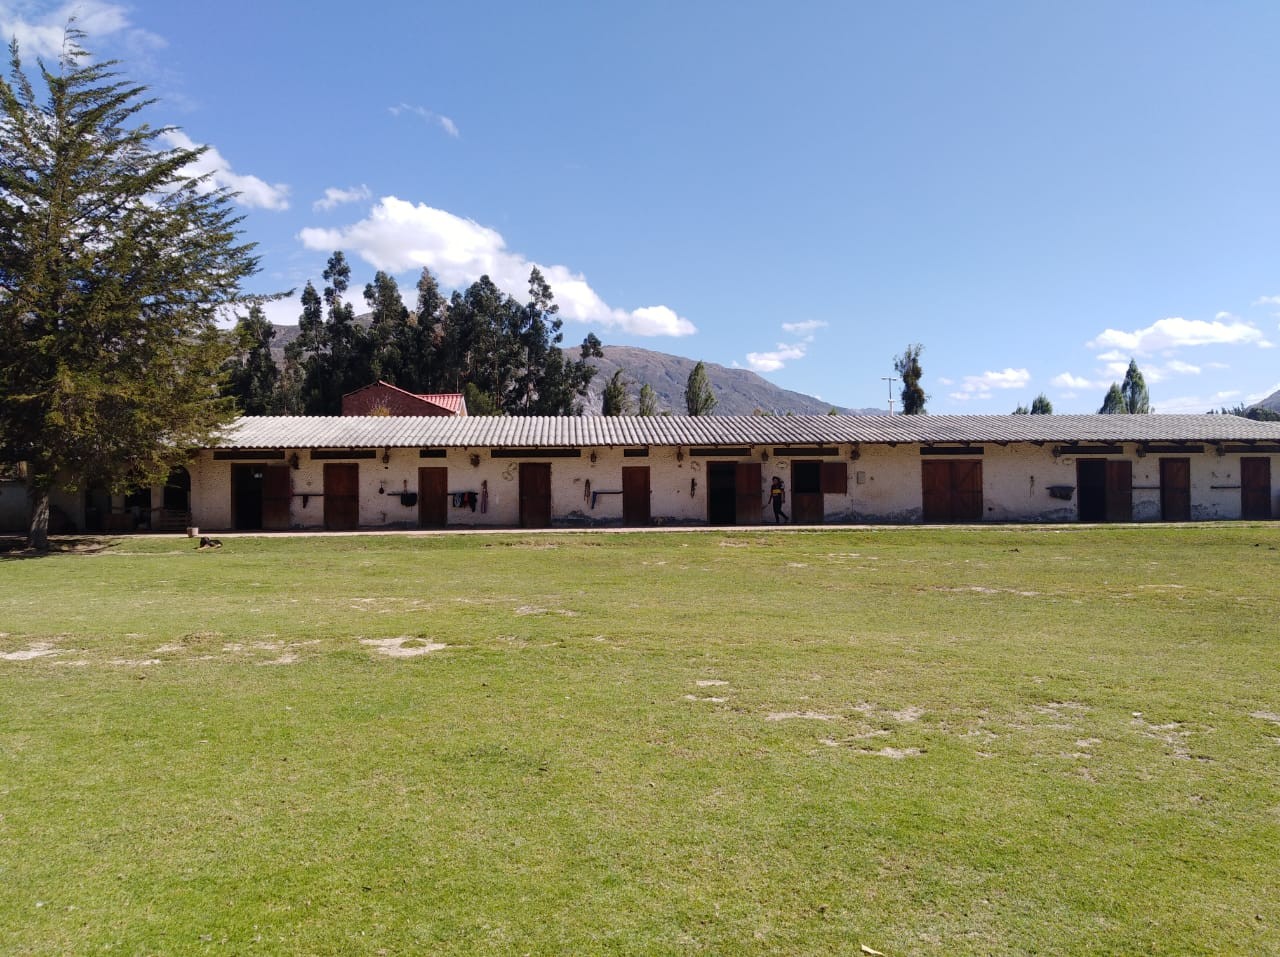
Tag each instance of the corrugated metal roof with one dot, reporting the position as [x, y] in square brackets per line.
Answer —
[446, 400]
[342, 432]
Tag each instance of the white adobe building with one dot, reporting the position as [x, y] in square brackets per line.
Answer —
[416, 472]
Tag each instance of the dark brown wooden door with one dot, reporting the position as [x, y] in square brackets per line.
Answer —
[806, 492]
[966, 491]
[277, 497]
[535, 494]
[748, 493]
[433, 497]
[635, 495]
[1175, 490]
[341, 495]
[935, 490]
[1255, 488]
[1119, 507]
[951, 491]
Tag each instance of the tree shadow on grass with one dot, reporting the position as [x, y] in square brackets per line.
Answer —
[14, 547]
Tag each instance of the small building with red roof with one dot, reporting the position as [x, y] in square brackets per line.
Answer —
[383, 398]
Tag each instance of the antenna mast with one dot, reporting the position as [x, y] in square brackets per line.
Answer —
[891, 380]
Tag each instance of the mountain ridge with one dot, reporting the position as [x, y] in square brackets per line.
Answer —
[737, 391]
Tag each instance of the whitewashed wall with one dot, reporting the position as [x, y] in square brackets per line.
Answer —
[884, 486]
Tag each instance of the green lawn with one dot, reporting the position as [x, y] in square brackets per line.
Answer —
[994, 741]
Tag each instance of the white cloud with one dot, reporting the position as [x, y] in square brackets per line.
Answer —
[334, 197]
[806, 328]
[42, 35]
[1267, 301]
[444, 122]
[945, 381]
[398, 236]
[1068, 381]
[251, 190]
[980, 386]
[773, 361]
[1176, 332]
[1182, 368]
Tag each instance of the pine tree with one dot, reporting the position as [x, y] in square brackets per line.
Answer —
[1041, 405]
[114, 263]
[908, 368]
[698, 397]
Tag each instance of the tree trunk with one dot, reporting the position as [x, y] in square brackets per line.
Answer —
[38, 532]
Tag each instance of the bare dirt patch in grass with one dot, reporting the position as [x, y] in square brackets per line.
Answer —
[801, 715]
[38, 649]
[897, 754]
[406, 646]
[710, 683]
[1266, 716]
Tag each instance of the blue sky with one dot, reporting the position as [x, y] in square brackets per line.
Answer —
[1034, 191]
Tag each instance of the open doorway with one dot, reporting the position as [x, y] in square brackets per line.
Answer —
[734, 493]
[1105, 490]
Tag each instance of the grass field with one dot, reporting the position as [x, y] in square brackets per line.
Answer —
[994, 741]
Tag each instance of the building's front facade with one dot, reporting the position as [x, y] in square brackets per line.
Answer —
[397, 472]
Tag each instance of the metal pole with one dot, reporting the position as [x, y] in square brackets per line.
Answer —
[891, 380]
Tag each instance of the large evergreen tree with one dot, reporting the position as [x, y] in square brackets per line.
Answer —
[1134, 390]
[908, 368]
[1113, 401]
[114, 264]
[698, 397]
[1041, 405]
[1129, 397]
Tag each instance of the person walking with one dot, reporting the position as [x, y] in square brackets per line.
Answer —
[777, 496]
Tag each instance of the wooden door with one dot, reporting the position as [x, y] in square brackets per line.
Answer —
[806, 493]
[341, 495]
[1255, 488]
[935, 490]
[433, 497]
[535, 494]
[951, 491]
[635, 495]
[277, 497]
[966, 491]
[747, 490]
[1119, 507]
[1175, 490]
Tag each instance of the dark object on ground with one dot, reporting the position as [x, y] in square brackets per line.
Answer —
[207, 542]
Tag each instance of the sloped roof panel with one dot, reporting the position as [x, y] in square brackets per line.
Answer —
[274, 432]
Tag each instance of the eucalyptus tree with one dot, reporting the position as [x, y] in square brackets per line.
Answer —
[908, 368]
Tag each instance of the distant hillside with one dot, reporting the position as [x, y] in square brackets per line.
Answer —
[1271, 402]
[737, 391]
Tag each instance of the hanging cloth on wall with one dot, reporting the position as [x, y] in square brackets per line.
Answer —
[484, 496]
